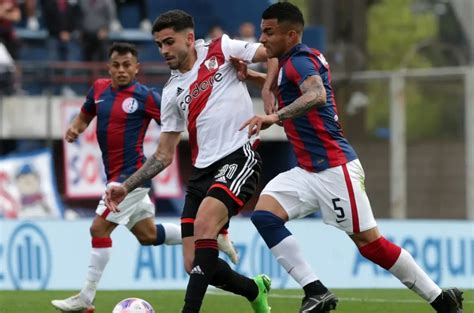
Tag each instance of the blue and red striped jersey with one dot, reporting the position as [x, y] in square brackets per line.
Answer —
[123, 115]
[317, 137]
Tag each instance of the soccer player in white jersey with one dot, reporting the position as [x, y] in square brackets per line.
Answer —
[137, 210]
[205, 94]
[329, 176]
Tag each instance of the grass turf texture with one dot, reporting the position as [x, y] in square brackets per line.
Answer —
[281, 301]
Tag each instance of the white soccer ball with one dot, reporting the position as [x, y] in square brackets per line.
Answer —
[133, 305]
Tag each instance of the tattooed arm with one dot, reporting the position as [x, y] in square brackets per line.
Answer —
[154, 165]
[151, 168]
[313, 94]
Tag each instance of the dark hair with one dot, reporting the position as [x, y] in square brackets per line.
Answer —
[284, 12]
[175, 19]
[123, 48]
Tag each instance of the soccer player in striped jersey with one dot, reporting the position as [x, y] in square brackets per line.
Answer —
[328, 177]
[205, 94]
[124, 109]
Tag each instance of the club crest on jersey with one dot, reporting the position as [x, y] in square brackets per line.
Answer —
[211, 63]
[129, 105]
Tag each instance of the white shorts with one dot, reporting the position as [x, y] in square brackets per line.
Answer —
[339, 193]
[135, 207]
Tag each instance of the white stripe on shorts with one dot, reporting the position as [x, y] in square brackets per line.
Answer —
[246, 171]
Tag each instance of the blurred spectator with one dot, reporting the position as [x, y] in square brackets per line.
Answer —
[61, 20]
[9, 45]
[28, 8]
[97, 16]
[247, 32]
[7, 70]
[214, 32]
[9, 15]
[145, 24]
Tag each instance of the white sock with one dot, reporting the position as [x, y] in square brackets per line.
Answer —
[412, 276]
[99, 259]
[172, 234]
[288, 254]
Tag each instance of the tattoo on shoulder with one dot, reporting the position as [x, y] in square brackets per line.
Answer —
[150, 169]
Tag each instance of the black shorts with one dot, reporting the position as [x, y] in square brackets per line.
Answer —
[232, 180]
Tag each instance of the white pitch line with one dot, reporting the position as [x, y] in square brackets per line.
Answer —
[352, 299]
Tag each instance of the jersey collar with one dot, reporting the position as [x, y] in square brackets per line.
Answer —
[292, 51]
[119, 88]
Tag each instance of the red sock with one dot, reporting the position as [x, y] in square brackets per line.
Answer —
[105, 242]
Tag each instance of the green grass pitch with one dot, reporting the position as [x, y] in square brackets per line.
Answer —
[281, 301]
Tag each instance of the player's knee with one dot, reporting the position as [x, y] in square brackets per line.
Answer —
[146, 239]
[204, 228]
[96, 231]
[265, 219]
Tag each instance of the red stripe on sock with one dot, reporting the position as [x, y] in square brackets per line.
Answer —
[381, 252]
[206, 244]
[105, 242]
[187, 220]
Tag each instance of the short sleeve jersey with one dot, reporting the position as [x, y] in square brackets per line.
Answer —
[123, 116]
[210, 101]
[317, 137]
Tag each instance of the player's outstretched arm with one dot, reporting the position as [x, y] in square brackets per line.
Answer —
[153, 166]
[266, 81]
[78, 126]
[269, 86]
[313, 94]
[259, 122]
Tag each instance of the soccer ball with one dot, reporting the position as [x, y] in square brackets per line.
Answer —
[133, 305]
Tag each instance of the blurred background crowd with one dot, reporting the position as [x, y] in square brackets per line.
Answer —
[416, 149]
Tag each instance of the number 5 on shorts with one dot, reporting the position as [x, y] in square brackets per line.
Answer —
[339, 210]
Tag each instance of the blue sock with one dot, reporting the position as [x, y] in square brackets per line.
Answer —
[271, 227]
[160, 235]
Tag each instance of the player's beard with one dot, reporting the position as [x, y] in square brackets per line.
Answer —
[174, 65]
[180, 59]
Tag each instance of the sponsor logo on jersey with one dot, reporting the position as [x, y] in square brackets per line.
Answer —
[129, 105]
[199, 87]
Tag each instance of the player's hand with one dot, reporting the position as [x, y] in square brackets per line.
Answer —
[269, 105]
[71, 134]
[259, 122]
[240, 66]
[114, 194]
